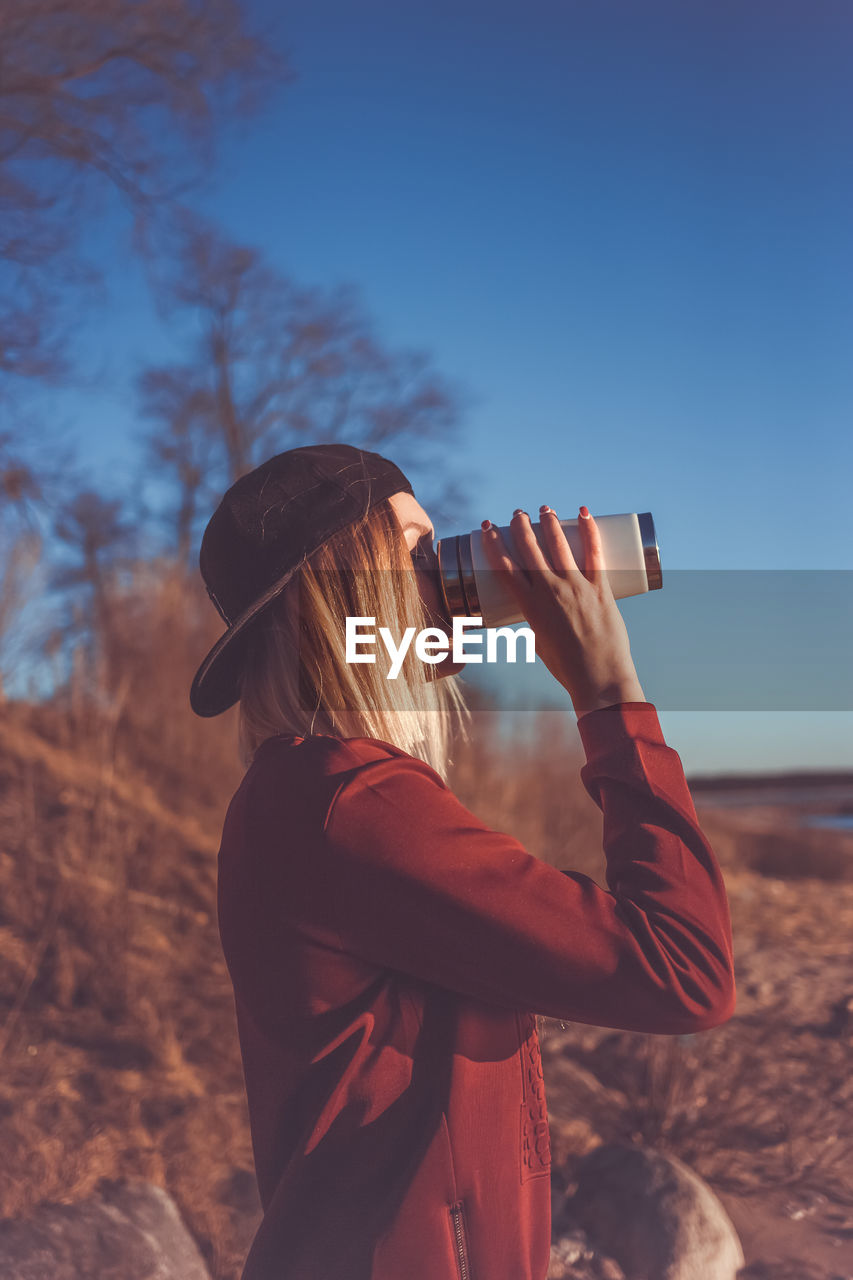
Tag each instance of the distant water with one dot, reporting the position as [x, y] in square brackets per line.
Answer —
[815, 796]
[736, 799]
[837, 821]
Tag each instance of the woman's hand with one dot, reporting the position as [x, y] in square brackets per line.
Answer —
[580, 633]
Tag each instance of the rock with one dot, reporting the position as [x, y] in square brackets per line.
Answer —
[840, 1021]
[129, 1231]
[654, 1215]
[574, 1258]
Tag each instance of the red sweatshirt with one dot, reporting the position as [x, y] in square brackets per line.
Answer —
[388, 953]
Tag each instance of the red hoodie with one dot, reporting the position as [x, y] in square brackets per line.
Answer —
[389, 953]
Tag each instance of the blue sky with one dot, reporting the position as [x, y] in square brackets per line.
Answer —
[624, 228]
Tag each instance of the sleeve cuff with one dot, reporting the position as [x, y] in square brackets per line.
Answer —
[604, 728]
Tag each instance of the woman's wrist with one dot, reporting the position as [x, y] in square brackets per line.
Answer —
[628, 690]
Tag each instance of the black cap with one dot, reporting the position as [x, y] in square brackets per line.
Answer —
[265, 527]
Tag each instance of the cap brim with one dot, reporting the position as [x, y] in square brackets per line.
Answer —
[216, 684]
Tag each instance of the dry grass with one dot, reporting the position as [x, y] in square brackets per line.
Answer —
[117, 1032]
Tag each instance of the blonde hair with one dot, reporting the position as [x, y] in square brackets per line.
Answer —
[295, 678]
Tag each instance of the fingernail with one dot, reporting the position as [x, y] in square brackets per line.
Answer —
[544, 507]
[486, 524]
[518, 512]
[585, 513]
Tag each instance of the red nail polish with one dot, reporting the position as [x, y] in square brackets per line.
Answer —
[486, 524]
[585, 513]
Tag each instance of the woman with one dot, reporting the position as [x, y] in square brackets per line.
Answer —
[388, 951]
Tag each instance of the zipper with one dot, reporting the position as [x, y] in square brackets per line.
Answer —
[461, 1241]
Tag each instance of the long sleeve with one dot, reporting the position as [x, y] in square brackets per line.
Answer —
[407, 878]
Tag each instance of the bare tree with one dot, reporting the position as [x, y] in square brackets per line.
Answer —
[180, 447]
[270, 365]
[103, 90]
[20, 488]
[101, 541]
[20, 543]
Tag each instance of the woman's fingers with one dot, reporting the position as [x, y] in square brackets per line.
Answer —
[530, 554]
[560, 551]
[554, 554]
[508, 570]
[594, 565]
[556, 543]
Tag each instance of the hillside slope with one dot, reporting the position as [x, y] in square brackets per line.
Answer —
[119, 1044]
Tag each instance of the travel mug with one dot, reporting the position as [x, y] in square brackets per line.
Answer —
[471, 589]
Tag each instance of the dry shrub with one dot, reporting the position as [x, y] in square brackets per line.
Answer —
[117, 1034]
[738, 1103]
[116, 1016]
[521, 774]
[128, 698]
[767, 840]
